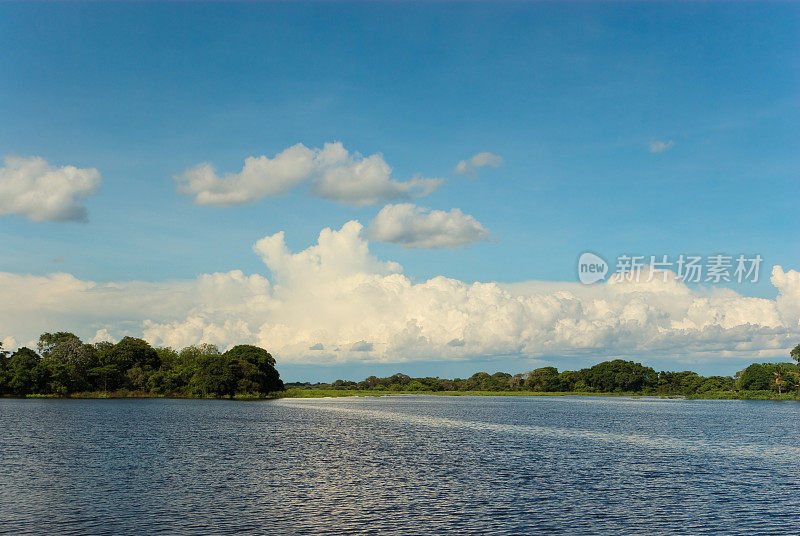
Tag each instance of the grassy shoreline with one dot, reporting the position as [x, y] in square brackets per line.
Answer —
[336, 393]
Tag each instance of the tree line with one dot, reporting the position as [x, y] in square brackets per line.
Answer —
[63, 365]
[616, 376]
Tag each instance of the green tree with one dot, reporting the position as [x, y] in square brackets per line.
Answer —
[448, 385]
[784, 376]
[371, 382]
[214, 375]
[254, 367]
[715, 383]
[795, 353]
[172, 376]
[517, 382]
[756, 377]
[431, 384]
[127, 354]
[791, 380]
[167, 357]
[543, 379]
[190, 354]
[343, 385]
[570, 380]
[102, 347]
[26, 373]
[397, 382]
[619, 375]
[69, 361]
[49, 341]
[416, 385]
[685, 382]
[483, 381]
[778, 380]
[102, 375]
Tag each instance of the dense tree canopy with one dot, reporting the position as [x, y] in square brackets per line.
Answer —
[254, 369]
[763, 376]
[48, 341]
[66, 365]
[619, 375]
[25, 372]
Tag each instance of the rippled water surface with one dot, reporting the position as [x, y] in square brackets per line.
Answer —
[400, 465]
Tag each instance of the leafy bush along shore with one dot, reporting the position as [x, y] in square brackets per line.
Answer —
[65, 366]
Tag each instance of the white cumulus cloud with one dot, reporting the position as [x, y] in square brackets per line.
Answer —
[336, 302]
[468, 166]
[661, 146]
[102, 335]
[352, 179]
[417, 227]
[41, 192]
[332, 172]
[260, 177]
[8, 344]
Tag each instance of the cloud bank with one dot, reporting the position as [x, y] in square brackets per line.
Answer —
[336, 302]
[416, 227]
[38, 191]
[468, 166]
[332, 172]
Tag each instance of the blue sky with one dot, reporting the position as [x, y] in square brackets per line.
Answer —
[571, 96]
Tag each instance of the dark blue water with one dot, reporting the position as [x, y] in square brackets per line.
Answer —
[400, 465]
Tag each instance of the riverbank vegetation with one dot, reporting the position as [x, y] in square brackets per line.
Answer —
[759, 381]
[63, 365]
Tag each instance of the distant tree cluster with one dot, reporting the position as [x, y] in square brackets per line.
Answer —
[62, 364]
[615, 376]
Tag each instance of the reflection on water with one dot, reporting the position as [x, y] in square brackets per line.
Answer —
[729, 446]
[400, 465]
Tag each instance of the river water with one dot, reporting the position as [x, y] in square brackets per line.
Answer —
[400, 465]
